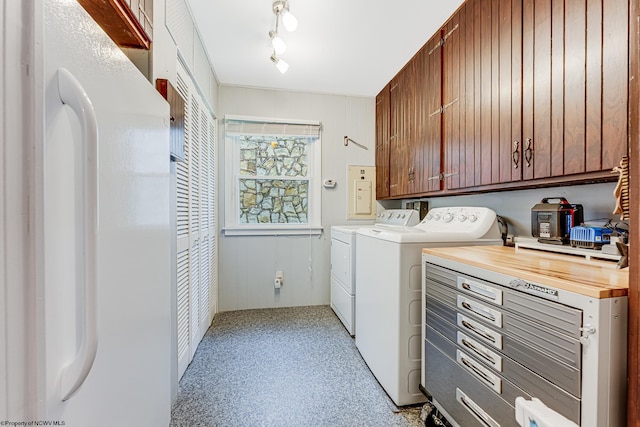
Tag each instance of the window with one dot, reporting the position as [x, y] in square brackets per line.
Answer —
[273, 176]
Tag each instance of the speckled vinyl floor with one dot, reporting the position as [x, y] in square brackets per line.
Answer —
[283, 367]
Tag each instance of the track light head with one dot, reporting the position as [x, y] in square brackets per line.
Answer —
[281, 8]
[278, 44]
[290, 22]
[281, 65]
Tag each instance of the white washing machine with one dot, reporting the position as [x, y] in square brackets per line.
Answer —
[389, 289]
[343, 258]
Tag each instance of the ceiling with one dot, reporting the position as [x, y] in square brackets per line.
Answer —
[344, 47]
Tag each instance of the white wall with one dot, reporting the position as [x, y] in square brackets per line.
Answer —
[515, 206]
[248, 263]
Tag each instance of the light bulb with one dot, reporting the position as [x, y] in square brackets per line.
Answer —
[290, 22]
[280, 64]
[278, 44]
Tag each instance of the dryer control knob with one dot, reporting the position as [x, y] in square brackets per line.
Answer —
[436, 217]
[429, 217]
[462, 217]
[473, 218]
[447, 217]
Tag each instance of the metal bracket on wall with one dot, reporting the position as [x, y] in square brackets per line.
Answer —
[347, 140]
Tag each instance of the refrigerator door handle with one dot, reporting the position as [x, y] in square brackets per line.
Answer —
[73, 94]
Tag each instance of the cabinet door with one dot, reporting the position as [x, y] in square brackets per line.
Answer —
[396, 148]
[482, 94]
[615, 77]
[453, 114]
[412, 126]
[575, 73]
[383, 133]
[432, 137]
[405, 155]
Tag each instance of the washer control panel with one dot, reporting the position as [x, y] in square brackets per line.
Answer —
[458, 220]
[398, 217]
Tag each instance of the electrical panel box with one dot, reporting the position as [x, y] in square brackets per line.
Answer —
[361, 184]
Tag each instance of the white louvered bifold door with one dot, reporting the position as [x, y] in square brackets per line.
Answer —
[182, 200]
[194, 224]
[213, 241]
[197, 262]
[205, 277]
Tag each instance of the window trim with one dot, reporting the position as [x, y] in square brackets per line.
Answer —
[231, 225]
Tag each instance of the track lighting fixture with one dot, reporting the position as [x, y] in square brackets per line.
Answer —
[281, 9]
[280, 64]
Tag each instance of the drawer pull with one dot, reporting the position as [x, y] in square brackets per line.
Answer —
[475, 410]
[477, 371]
[479, 311]
[478, 351]
[480, 372]
[486, 313]
[480, 290]
[478, 331]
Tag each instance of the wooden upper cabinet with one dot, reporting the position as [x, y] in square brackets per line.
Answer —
[513, 93]
[574, 86]
[482, 94]
[128, 22]
[383, 133]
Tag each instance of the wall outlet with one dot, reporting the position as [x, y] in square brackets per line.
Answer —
[279, 279]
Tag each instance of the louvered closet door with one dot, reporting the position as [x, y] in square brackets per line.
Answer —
[197, 245]
[205, 276]
[194, 224]
[213, 241]
[183, 271]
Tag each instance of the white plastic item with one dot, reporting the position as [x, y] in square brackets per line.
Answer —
[534, 413]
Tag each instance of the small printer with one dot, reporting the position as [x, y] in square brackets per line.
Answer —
[552, 222]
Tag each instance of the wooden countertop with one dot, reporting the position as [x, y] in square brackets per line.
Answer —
[592, 278]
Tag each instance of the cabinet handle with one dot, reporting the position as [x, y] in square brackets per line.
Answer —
[478, 290]
[479, 311]
[515, 154]
[447, 175]
[476, 410]
[477, 371]
[528, 153]
[435, 177]
[478, 351]
[477, 331]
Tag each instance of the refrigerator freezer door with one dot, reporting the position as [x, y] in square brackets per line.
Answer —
[123, 304]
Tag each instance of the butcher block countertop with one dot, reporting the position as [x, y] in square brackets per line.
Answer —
[592, 278]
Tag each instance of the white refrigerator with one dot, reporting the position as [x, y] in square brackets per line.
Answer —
[98, 322]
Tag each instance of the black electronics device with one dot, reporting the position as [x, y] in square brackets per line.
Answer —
[552, 222]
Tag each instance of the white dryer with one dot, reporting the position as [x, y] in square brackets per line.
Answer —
[389, 288]
[343, 261]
